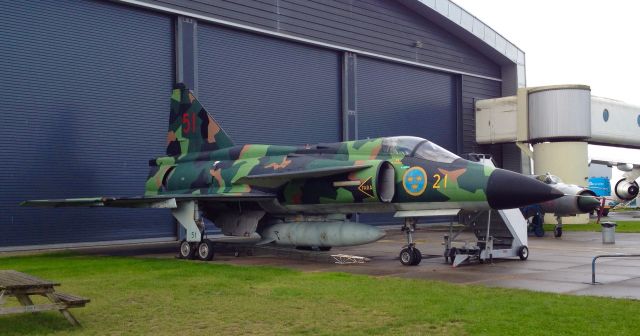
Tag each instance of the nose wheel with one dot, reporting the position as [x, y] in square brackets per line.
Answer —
[557, 231]
[410, 255]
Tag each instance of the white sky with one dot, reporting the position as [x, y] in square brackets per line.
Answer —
[573, 42]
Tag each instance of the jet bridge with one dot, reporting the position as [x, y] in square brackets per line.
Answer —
[553, 125]
[499, 233]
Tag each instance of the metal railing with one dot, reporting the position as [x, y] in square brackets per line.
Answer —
[593, 262]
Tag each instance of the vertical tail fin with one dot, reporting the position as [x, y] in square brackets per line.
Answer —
[191, 127]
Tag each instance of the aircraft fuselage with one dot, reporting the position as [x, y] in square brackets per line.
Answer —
[391, 177]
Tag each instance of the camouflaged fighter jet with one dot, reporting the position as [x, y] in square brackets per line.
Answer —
[577, 200]
[302, 196]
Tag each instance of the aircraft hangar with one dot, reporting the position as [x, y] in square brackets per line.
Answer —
[87, 87]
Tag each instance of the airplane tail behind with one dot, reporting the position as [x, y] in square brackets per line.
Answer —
[191, 128]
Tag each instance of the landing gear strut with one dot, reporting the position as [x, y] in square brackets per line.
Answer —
[410, 255]
[557, 232]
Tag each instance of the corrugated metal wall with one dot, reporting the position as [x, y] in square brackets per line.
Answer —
[473, 89]
[88, 85]
[382, 27]
[395, 99]
[85, 105]
[379, 26]
[267, 90]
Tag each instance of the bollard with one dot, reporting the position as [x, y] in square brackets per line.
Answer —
[608, 232]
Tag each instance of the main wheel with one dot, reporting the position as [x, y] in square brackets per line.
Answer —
[407, 257]
[205, 250]
[523, 253]
[557, 232]
[452, 255]
[187, 250]
[324, 248]
[417, 255]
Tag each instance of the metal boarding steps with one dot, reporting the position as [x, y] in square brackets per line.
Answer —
[499, 233]
[498, 230]
[477, 223]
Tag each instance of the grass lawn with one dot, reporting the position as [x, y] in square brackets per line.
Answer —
[623, 226]
[137, 296]
[624, 209]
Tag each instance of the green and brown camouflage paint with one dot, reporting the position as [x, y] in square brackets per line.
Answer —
[202, 159]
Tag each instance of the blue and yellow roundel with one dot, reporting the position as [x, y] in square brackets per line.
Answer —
[414, 181]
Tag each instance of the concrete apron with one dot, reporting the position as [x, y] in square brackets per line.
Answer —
[554, 265]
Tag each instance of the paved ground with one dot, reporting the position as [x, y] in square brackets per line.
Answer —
[555, 265]
[631, 215]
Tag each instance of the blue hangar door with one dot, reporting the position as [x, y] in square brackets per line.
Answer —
[269, 90]
[85, 106]
[396, 99]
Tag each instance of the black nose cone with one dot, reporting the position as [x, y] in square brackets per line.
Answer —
[508, 190]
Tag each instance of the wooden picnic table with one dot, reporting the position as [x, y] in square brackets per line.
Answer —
[22, 286]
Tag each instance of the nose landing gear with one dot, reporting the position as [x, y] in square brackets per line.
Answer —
[410, 255]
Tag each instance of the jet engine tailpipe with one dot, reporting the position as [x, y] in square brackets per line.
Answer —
[587, 201]
[577, 200]
[625, 190]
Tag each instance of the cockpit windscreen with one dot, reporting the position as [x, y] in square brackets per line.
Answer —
[430, 151]
[417, 147]
[549, 179]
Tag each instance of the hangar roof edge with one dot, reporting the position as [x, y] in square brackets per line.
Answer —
[468, 27]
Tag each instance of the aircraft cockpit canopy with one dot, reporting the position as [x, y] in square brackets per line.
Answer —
[417, 147]
[549, 179]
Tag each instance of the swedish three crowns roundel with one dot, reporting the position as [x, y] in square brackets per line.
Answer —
[414, 181]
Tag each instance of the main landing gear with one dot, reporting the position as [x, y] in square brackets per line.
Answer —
[201, 251]
[196, 246]
[410, 255]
